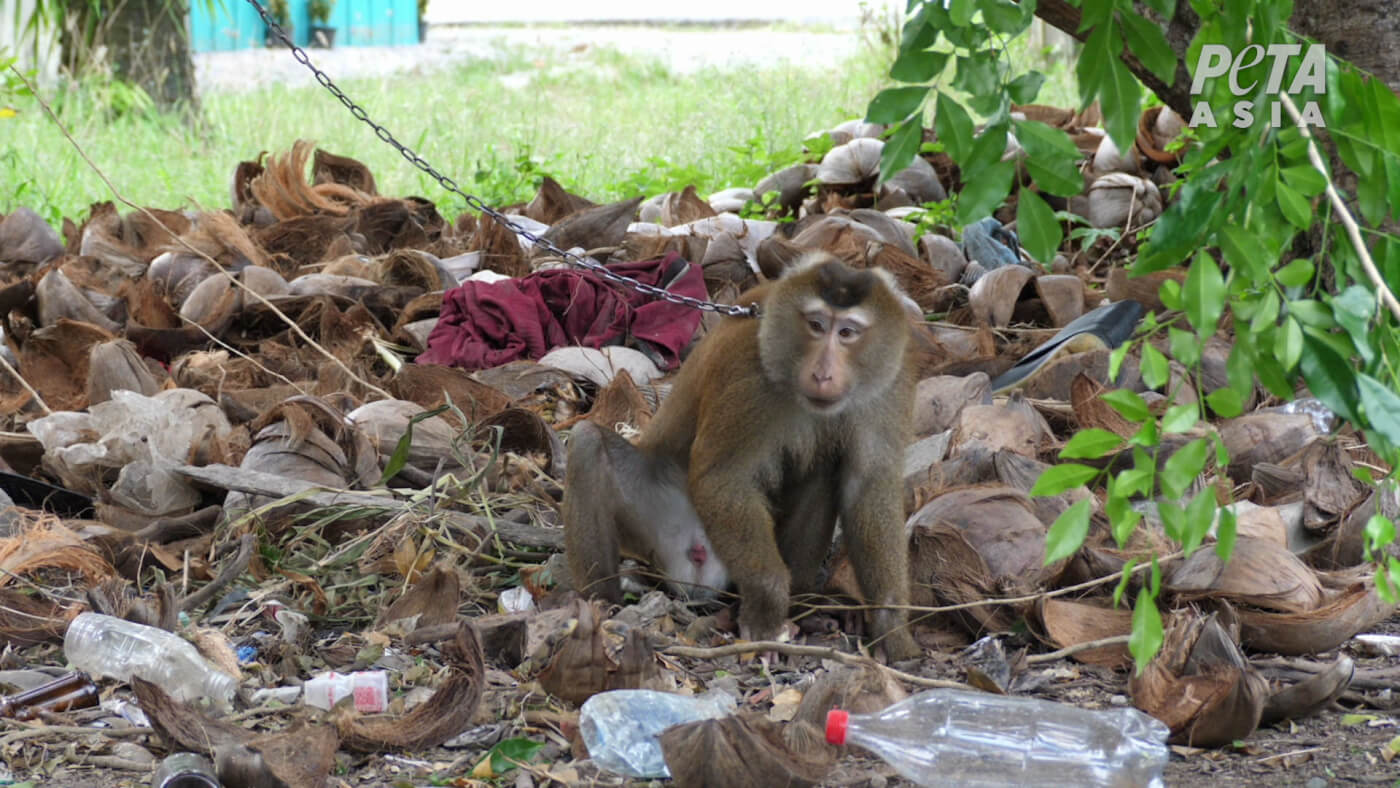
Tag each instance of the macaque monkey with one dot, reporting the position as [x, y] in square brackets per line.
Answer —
[776, 427]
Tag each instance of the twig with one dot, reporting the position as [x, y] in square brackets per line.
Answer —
[15, 374]
[1353, 230]
[65, 731]
[1069, 651]
[820, 652]
[230, 571]
[291, 324]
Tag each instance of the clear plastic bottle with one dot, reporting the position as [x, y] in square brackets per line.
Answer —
[954, 737]
[622, 728]
[105, 646]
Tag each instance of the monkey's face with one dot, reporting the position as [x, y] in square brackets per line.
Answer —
[834, 340]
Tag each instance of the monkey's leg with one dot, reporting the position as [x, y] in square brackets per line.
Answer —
[873, 523]
[590, 512]
[736, 517]
[806, 522]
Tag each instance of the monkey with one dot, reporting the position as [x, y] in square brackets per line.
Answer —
[617, 502]
[774, 429]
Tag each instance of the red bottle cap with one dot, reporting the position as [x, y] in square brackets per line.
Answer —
[836, 726]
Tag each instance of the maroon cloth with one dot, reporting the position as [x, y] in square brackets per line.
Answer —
[484, 325]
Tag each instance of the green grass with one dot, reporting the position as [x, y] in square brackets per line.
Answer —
[605, 124]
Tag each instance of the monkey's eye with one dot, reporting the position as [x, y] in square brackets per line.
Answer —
[848, 332]
[816, 326]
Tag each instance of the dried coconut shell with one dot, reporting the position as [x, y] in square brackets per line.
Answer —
[592, 655]
[851, 163]
[1062, 295]
[1142, 289]
[854, 128]
[54, 360]
[116, 365]
[620, 402]
[1200, 685]
[59, 300]
[731, 200]
[944, 255]
[914, 185]
[943, 348]
[1346, 547]
[1158, 127]
[775, 253]
[264, 281]
[1329, 489]
[26, 238]
[1260, 573]
[790, 183]
[1069, 623]
[385, 422]
[1092, 412]
[683, 207]
[888, 229]
[594, 228]
[993, 297]
[553, 202]
[524, 432]
[1013, 425]
[177, 274]
[1107, 158]
[938, 400]
[48, 545]
[1021, 472]
[519, 379]
[1351, 605]
[431, 385]
[600, 366]
[1113, 197]
[499, 249]
[105, 236]
[330, 168]
[1265, 436]
[213, 302]
[744, 751]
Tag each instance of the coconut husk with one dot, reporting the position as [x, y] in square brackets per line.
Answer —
[1329, 489]
[593, 228]
[432, 601]
[1055, 380]
[26, 620]
[524, 432]
[684, 206]
[944, 255]
[1142, 289]
[592, 655]
[519, 379]
[387, 224]
[330, 168]
[1269, 523]
[938, 400]
[1200, 685]
[552, 203]
[858, 689]
[263, 281]
[49, 545]
[116, 365]
[220, 236]
[26, 238]
[215, 301]
[914, 185]
[176, 274]
[1157, 127]
[918, 281]
[59, 299]
[1092, 412]
[500, 249]
[54, 360]
[431, 385]
[726, 265]
[791, 185]
[943, 349]
[282, 188]
[1069, 623]
[1260, 573]
[1108, 159]
[852, 164]
[306, 240]
[1063, 297]
[1346, 547]
[1114, 196]
[105, 237]
[775, 254]
[1021, 472]
[620, 402]
[1311, 694]
[1350, 605]
[385, 422]
[1013, 425]
[744, 751]
[993, 297]
[1265, 436]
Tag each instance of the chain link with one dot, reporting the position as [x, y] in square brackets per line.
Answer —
[475, 203]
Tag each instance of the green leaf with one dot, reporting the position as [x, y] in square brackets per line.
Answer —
[1116, 358]
[901, 148]
[1200, 514]
[1180, 418]
[508, 754]
[1182, 468]
[1182, 228]
[1090, 444]
[1146, 638]
[1243, 250]
[1306, 179]
[1040, 232]
[1225, 532]
[1203, 296]
[1173, 520]
[1124, 576]
[953, 125]
[1005, 17]
[1058, 478]
[1170, 294]
[918, 66]
[1382, 407]
[1120, 98]
[1155, 369]
[1379, 533]
[1312, 313]
[405, 444]
[1149, 46]
[982, 196]
[1329, 376]
[1353, 308]
[960, 11]
[1025, 88]
[1184, 345]
[977, 76]
[1067, 532]
[1266, 314]
[1295, 274]
[1051, 158]
[1128, 404]
[987, 149]
[892, 105]
[1288, 344]
[1225, 403]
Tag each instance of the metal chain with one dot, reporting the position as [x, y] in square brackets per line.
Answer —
[733, 310]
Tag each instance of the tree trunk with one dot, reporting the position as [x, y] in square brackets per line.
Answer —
[147, 43]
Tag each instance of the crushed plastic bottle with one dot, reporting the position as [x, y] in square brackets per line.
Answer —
[622, 728]
[954, 737]
[105, 646]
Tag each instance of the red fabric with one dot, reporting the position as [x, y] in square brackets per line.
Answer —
[484, 325]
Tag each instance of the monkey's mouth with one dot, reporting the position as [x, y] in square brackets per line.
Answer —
[823, 404]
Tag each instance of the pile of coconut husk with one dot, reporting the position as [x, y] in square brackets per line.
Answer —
[218, 413]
